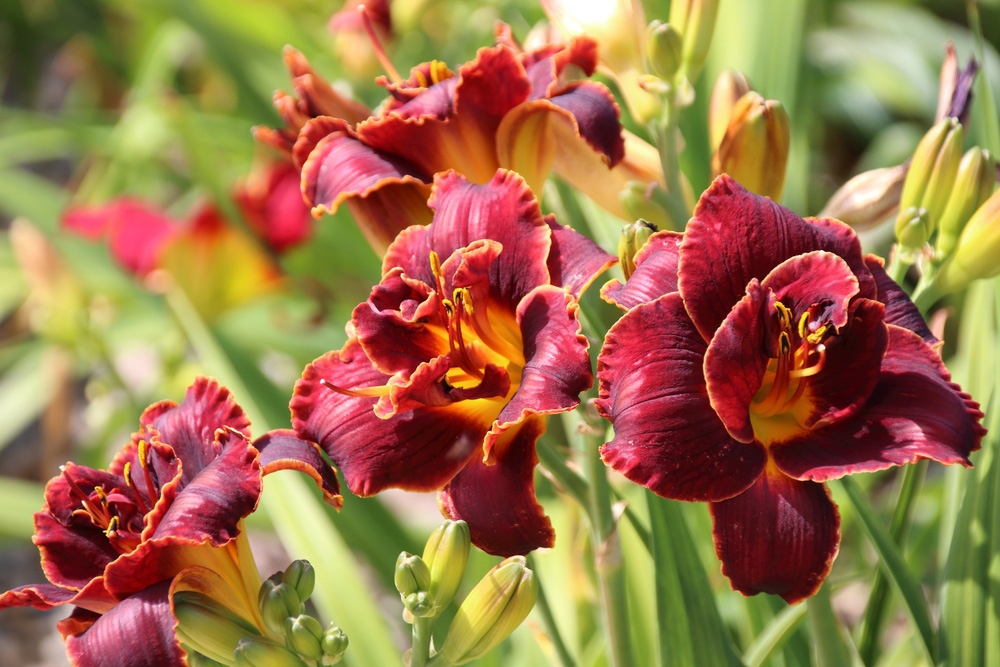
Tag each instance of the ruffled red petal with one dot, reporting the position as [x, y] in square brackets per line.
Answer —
[574, 260]
[72, 556]
[817, 282]
[736, 236]
[655, 273]
[780, 536]
[914, 412]
[557, 366]
[595, 113]
[420, 450]
[652, 388]
[498, 501]
[138, 632]
[899, 310]
[282, 449]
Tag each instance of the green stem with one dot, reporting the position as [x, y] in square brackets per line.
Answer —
[608, 562]
[925, 295]
[831, 651]
[913, 476]
[898, 267]
[549, 619]
[421, 642]
[569, 479]
[667, 134]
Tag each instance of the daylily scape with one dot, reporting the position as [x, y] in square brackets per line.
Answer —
[738, 366]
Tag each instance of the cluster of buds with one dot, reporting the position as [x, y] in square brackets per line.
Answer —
[750, 136]
[493, 609]
[282, 636]
[949, 194]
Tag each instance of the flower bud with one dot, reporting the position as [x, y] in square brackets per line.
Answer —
[631, 241]
[494, 608]
[728, 89]
[207, 627]
[933, 154]
[412, 574]
[334, 645]
[663, 49]
[977, 255]
[867, 199]
[649, 202]
[973, 186]
[301, 576]
[195, 659]
[754, 149]
[695, 21]
[913, 229]
[263, 652]
[277, 602]
[419, 604]
[942, 178]
[446, 555]
[304, 635]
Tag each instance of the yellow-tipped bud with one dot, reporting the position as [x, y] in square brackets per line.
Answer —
[913, 229]
[412, 574]
[277, 601]
[334, 645]
[867, 199]
[446, 554]
[728, 89]
[695, 21]
[305, 635]
[973, 186]
[631, 241]
[209, 628]
[942, 178]
[977, 255]
[754, 149]
[301, 576]
[925, 159]
[663, 49]
[263, 652]
[494, 608]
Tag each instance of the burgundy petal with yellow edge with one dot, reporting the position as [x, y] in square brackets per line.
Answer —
[655, 273]
[418, 450]
[780, 536]
[736, 236]
[498, 501]
[915, 412]
[667, 437]
[138, 632]
[282, 449]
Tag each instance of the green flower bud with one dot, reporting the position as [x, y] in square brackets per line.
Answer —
[925, 159]
[419, 604]
[446, 555]
[195, 659]
[867, 199]
[695, 21]
[263, 652]
[973, 186]
[277, 602]
[977, 255]
[412, 574]
[942, 178]
[305, 635]
[209, 628]
[649, 202]
[728, 89]
[754, 149]
[913, 229]
[631, 241]
[494, 608]
[334, 645]
[301, 576]
[663, 49]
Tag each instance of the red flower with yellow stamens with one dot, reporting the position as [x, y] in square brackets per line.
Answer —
[504, 109]
[761, 355]
[167, 515]
[469, 340]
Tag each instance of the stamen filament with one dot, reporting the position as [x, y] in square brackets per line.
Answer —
[379, 50]
[127, 472]
[363, 392]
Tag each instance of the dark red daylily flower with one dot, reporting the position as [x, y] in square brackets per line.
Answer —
[761, 355]
[505, 109]
[167, 515]
[470, 339]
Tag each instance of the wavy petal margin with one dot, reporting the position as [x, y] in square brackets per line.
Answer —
[780, 536]
[667, 437]
[282, 449]
[655, 273]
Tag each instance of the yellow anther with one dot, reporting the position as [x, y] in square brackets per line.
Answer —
[803, 321]
[439, 71]
[816, 336]
[101, 494]
[112, 526]
[435, 265]
[784, 316]
[125, 473]
[448, 306]
[143, 453]
[463, 296]
[421, 79]
[784, 343]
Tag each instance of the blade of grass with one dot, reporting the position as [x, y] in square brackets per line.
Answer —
[778, 631]
[894, 566]
[828, 636]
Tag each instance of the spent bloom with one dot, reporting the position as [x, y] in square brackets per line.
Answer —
[469, 340]
[166, 516]
[761, 355]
